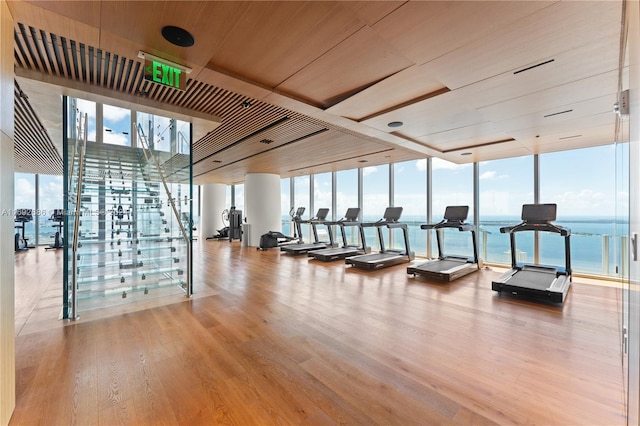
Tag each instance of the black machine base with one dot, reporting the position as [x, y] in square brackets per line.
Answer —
[534, 282]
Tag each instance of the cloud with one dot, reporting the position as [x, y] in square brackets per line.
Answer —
[491, 174]
[25, 194]
[116, 139]
[111, 113]
[439, 164]
[366, 171]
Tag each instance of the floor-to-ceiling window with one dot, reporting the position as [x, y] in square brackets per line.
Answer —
[24, 200]
[579, 182]
[504, 186]
[117, 125]
[49, 200]
[451, 185]
[323, 198]
[410, 193]
[239, 197]
[285, 206]
[375, 199]
[301, 196]
[347, 197]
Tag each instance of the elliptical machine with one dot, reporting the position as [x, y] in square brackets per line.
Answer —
[223, 233]
[58, 239]
[22, 216]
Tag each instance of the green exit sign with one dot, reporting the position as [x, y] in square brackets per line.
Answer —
[164, 72]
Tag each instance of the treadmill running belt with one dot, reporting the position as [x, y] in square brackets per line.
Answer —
[532, 279]
[441, 265]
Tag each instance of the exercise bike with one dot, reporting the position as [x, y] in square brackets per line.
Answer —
[58, 239]
[22, 216]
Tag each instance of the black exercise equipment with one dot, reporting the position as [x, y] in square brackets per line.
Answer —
[449, 267]
[319, 219]
[21, 217]
[385, 257]
[58, 239]
[350, 219]
[222, 233]
[549, 283]
[235, 224]
[274, 239]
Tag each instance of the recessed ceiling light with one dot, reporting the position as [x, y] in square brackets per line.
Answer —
[178, 36]
[395, 124]
[246, 104]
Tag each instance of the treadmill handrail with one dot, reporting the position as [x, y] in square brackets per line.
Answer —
[544, 227]
[458, 224]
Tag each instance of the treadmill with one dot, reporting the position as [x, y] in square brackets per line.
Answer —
[300, 248]
[338, 253]
[449, 267]
[550, 283]
[385, 257]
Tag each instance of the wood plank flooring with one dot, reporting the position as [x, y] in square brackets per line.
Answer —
[271, 338]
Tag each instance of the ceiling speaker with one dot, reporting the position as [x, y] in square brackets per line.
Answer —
[178, 36]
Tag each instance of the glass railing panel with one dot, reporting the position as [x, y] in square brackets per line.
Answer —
[131, 243]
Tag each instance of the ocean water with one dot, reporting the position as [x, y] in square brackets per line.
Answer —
[596, 244]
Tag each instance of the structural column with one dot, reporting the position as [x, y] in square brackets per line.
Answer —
[7, 309]
[213, 199]
[262, 205]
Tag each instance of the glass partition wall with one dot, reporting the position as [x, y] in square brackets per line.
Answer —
[128, 203]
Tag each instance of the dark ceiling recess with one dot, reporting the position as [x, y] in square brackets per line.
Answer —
[178, 36]
[534, 66]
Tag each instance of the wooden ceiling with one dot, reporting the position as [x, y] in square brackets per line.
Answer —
[324, 79]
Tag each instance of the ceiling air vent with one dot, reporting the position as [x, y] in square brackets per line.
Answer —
[534, 66]
[266, 141]
[558, 113]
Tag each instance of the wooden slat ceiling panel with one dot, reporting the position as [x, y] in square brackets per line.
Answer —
[37, 50]
[284, 132]
[34, 152]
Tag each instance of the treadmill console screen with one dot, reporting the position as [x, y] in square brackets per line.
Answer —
[392, 214]
[456, 213]
[322, 214]
[58, 214]
[352, 214]
[539, 213]
[300, 211]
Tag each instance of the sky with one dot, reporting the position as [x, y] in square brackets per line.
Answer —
[578, 181]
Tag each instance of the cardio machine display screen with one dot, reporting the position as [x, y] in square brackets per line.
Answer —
[539, 213]
[456, 213]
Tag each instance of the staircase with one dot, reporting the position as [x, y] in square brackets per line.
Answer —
[128, 225]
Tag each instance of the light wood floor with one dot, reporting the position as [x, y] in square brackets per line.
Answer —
[271, 338]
